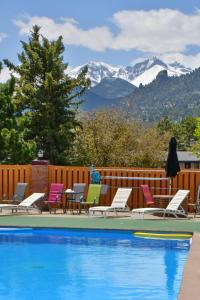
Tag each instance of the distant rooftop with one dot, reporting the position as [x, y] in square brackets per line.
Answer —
[185, 156]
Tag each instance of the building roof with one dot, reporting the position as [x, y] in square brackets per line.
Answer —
[186, 156]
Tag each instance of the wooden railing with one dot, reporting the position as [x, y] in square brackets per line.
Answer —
[121, 177]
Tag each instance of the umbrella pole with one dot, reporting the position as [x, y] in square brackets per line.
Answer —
[170, 185]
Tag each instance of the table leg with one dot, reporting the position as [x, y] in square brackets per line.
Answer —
[64, 206]
[79, 211]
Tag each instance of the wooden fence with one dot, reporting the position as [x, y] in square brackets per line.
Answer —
[120, 177]
[9, 176]
[186, 179]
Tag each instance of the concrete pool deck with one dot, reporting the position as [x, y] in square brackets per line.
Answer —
[83, 221]
[190, 288]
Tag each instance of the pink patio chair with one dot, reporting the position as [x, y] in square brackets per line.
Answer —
[151, 200]
[147, 195]
[55, 196]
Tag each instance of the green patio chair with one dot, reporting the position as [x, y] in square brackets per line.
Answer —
[93, 197]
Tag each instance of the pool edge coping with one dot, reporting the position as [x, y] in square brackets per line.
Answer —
[102, 228]
[189, 288]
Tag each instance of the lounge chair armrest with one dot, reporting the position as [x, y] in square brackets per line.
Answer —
[57, 197]
[17, 198]
[45, 198]
[194, 204]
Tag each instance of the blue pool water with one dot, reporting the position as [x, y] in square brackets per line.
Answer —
[88, 265]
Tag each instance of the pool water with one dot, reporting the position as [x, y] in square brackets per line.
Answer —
[88, 265]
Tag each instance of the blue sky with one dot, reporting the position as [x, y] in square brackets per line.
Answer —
[118, 32]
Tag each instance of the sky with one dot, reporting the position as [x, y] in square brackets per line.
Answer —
[117, 32]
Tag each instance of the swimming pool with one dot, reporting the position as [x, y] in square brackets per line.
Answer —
[88, 265]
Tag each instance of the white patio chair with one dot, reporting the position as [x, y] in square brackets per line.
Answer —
[27, 204]
[119, 203]
[173, 208]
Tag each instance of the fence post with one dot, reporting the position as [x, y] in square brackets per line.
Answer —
[39, 176]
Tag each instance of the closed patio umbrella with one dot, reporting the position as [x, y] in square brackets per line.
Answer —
[172, 164]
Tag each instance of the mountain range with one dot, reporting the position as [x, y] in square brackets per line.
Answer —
[148, 91]
[108, 92]
[112, 86]
[141, 73]
[175, 97]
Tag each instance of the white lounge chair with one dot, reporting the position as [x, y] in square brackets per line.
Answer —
[174, 207]
[26, 204]
[119, 203]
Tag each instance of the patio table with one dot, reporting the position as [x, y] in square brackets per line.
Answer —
[163, 198]
[70, 199]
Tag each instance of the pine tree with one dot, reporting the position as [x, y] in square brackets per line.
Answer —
[47, 96]
[15, 148]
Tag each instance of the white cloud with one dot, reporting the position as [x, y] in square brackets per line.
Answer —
[4, 74]
[2, 36]
[155, 31]
[97, 38]
[192, 61]
[139, 60]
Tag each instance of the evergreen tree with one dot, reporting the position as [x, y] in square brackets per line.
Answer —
[184, 131]
[165, 125]
[7, 120]
[14, 149]
[196, 146]
[46, 96]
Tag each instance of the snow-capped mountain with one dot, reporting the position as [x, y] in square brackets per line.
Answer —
[140, 73]
[96, 71]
